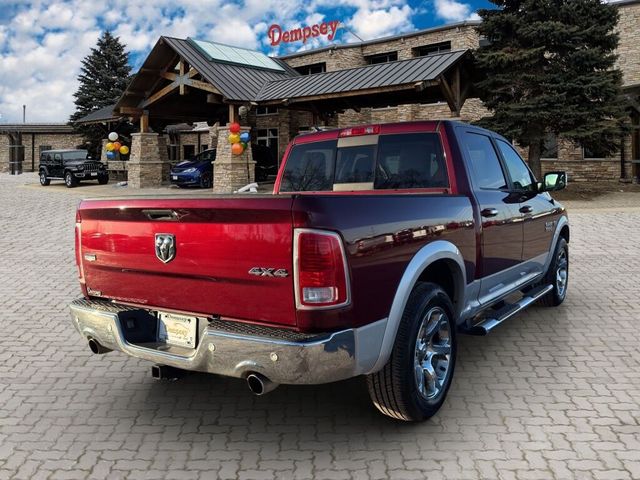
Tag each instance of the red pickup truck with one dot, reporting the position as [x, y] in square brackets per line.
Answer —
[378, 245]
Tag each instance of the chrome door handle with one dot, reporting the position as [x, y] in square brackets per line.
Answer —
[526, 209]
[489, 212]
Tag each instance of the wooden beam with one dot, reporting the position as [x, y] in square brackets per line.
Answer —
[202, 86]
[233, 113]
[144, 122]
[182, 68]
[169, 75]
[149, 70]
[192, 72]
[159, 94]
[449, 96]
[131, 111]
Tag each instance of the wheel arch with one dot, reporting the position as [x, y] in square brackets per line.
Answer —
[439, 262]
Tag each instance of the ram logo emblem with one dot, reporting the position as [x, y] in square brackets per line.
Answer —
[165, 247]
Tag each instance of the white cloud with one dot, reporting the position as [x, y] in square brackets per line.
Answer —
[368, 24]
[454, 11]
[44, 41]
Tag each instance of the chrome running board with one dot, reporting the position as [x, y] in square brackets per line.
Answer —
[496, 317]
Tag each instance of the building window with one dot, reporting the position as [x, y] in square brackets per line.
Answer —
[269, 138]
[593, 153]
[381, 58]
[549, 146]
[311, 69]
[188, 151]
[431, 49]
[260, 111]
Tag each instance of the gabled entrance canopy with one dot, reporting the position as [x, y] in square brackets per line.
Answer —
[193, 80]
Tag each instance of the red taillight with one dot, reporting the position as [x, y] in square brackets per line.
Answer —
[78, 233]
[321, 276]
[356, 131]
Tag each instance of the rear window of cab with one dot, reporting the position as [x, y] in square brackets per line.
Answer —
[376, 162]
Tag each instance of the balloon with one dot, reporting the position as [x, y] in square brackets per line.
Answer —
[116, 146]
[110, 147]
[244, 137]
[113, 136]
[111, 155]
[234, 138]
[234, 127]
[244, 145]
[124, 150]
[236, 149]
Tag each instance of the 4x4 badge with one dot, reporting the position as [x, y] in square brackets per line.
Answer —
[269, 272]
[165, 247]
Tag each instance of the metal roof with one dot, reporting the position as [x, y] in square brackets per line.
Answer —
[391, 74]
[104, 114]
[235, 82]
[36, 128]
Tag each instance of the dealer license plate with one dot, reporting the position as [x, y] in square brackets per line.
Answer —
[174, 177]
[178, 330]
[94, 174]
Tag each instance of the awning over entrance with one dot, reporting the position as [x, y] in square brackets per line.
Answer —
[408, 81]
[194, 80]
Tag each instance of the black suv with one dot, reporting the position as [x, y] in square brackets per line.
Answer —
[71, 166]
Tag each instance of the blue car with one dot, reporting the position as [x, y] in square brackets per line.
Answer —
[197, 172]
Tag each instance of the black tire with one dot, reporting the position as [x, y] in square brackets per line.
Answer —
[553, 276]
[70, 180]
[395, 389]
[205, 180]
[103, 179]
[44, 181]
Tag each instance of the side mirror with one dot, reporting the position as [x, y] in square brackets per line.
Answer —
[554, 181]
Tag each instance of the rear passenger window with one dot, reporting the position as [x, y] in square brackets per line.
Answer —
[309, 168]
[486, 168]
[399, 161]
[412, 160]
[355, 164]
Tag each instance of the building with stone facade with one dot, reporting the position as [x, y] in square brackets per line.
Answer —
[25, 141]
[186, 93]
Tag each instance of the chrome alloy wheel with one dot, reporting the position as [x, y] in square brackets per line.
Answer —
[562, 273]
[432, 353]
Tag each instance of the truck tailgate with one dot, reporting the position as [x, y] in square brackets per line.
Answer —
[218, 240]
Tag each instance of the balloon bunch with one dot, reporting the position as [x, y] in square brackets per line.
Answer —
[239, 141]
[114, 146]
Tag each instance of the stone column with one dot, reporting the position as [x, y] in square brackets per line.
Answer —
[230, 171]
[4, 154]
[149, 161]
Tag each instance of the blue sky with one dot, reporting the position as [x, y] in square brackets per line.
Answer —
[43, 42]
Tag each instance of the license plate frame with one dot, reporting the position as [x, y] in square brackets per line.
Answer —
[177, 330]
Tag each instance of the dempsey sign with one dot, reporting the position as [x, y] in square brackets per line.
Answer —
[277, 35]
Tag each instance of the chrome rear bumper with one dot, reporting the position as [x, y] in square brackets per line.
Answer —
[235, 350]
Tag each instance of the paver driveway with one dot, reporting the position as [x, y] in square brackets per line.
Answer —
[554, 393]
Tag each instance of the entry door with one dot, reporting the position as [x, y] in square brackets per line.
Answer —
[501, 221]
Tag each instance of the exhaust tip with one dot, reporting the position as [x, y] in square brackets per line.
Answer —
[259, 384]
[96, 348]
[165, 372]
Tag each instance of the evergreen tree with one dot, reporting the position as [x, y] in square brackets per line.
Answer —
[549, 67]
[104, 76]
